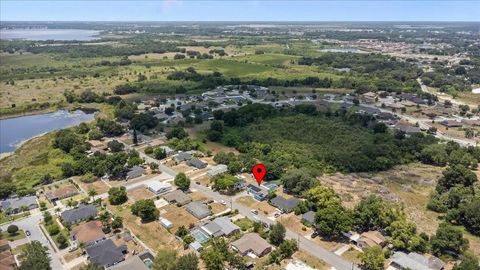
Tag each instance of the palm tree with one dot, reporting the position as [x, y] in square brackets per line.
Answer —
[92, 192]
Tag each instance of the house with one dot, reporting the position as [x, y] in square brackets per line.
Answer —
[7, 260]
[221, 226]
[218, 169]
[251, 243]
[259, 193]
[158, 187]
[451, 123]
[309, 217]
[135, 171]
[161, 116]
[106, 253]
[197, 163]
[240, 184]
[368, 110]
[178, 197]
[82, 212]
[198, 210]
[166, 223]
[183, 156]
[415, 261]
[15, 204]
[284, 205]
[169, 151]
[407, 129]
[132, 263]
[61, 193]
[371, 239]
[471, 122]
[88, 233]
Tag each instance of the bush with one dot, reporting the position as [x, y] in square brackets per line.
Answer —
[61, 241]
[12, 229]
[53, 229]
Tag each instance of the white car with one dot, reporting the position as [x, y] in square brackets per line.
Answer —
[223, 202]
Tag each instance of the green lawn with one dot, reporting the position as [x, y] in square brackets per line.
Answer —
[19, 235]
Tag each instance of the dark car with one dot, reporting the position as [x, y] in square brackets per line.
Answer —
[27, 233]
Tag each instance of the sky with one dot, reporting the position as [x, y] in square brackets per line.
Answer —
[241, 10]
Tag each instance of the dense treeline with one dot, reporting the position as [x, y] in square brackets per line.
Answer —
[455, 194]
[315, 141]
[371, 71]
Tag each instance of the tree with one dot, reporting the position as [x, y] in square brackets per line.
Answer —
[153, 166]
[435, 154]
[372, 258]
[277, 234]
[471, 216]
[92, 193]
[182, 181]
[12, 229]
[456, 175]
[135, 137]
[372, 213]
[117, 222]
[448, 240]
[187, 262]
[62, 241]
[181, 231]
[145, 209]
[159, 153]
[224, 182]
[320, 197]
[36, 257]
[177, 132]
[165, 260]
[115, 146]
[469, 262]
[404, 237]
[47, 217]
[117, 195]
[333, 220]
[298, 181]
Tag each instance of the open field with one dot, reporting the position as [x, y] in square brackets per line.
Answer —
[178, 216]
[140, 194]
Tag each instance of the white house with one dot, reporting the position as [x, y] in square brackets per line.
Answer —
[158, 187]
[166, 223]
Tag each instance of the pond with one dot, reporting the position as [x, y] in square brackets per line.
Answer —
[49, 34]
[16, 130]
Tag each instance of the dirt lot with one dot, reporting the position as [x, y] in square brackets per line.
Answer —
[310, 260]
[198, 196]
[178, 216]
[72, 255]
[99, 186]
[203, 180]
[196, 173]
[262, 207]
[152, 234]
[140, 194]
[218, 208]
[182, 167]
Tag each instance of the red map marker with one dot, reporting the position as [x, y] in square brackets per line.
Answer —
[259, 172]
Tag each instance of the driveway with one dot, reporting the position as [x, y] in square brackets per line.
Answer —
[31, 224]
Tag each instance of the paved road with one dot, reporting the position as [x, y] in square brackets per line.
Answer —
[31, 224]
[305, 244]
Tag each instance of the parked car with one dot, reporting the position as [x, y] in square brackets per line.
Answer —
[223, 202]
[276, 215]
[255, 212]
[27, 233]
[198, 183]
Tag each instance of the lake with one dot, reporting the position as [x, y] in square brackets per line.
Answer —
[16, 130]
[49, 34]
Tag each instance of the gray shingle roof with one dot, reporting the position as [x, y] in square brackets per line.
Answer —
[17, 202]
[198, 209]
[178, 197]
[220, 226]
[309, 217]
[83, 212]
[197, 163]
[416, 261]
[284, 204]
[106, 253]
[132, 263]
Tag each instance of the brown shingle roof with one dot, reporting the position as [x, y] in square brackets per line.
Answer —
[252, 242]
[87, 232]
